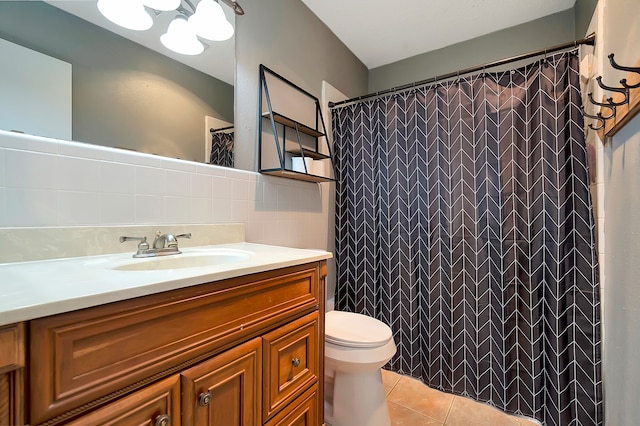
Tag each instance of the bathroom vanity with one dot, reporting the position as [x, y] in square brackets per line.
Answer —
[237, 344]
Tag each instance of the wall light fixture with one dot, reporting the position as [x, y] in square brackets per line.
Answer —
[206, 21]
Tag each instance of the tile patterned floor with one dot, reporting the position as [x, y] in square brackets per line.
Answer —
[412, 403]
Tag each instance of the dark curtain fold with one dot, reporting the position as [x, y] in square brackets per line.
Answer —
[464, 221]
[222, 149]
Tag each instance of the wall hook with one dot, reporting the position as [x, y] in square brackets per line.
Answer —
[595, 117]
[628, 86]
[624, 68]
[623, 90]
[609, 104]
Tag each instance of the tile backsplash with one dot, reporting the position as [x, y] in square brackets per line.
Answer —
[52, 183]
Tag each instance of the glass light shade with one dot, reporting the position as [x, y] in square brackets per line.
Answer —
[164, 5]
[129, 14]
[209, 21]
[181, 39]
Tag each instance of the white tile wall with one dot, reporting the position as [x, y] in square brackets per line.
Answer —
[147, 179]
[3, 168]
[78, 208]
[50, 183]
[32, 170]
[3, 208]
[31, 207]
[117, 178]
[78, 174]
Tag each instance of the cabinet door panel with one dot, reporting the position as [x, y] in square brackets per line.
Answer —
[225, 390]
[12, 363]
[12, 347]
[302, 412]
[291, 362]
[12, 397]
[143, 408]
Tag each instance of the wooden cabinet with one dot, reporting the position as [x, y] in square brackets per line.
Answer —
[200, 355]
[12, 363]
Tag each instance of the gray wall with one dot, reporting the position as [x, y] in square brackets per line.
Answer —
[287, 37]
[123, 94]
[622, 294]
[621, 301]
[548, 31]
[584, 10]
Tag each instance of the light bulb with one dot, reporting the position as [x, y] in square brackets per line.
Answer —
[181, 39]
[129, 14]
[209, 21]
[164, 5]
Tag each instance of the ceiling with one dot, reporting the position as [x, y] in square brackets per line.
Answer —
[381, 32]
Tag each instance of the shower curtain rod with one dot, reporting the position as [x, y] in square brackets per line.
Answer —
[221, 129]
[589, 40]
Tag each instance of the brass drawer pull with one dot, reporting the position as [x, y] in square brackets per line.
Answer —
[162, 420]
[295, 362]
[204, 399]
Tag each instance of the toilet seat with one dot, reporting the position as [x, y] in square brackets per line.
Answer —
[355, 330]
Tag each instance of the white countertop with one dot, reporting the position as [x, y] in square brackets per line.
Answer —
[30, 290]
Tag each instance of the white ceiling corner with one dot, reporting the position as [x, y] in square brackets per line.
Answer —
[382, 32]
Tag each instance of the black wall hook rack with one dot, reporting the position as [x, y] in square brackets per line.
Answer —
[610, 103]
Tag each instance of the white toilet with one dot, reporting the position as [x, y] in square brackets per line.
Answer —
[356, 347]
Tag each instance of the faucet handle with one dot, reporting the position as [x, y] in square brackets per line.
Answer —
[188, 235]
[143, 245]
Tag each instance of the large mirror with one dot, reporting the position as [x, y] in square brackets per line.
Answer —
[127, 89]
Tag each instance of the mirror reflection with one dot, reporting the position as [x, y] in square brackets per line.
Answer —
[126, 89]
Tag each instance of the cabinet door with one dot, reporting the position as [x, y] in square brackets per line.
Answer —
[291, 362]
[12, 362]
[225, 390]
[301, 412]
[156, 405]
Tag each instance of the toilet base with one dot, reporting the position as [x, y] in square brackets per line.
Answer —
[358, 400]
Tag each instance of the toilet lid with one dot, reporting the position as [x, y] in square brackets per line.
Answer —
[355, 330]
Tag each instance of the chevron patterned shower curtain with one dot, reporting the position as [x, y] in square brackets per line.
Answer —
[222, 149]
[464, 221]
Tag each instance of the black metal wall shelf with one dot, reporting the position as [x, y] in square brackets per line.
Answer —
[292, 137]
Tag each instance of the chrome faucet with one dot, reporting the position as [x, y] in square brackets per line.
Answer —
[163, 245]
[168, 240]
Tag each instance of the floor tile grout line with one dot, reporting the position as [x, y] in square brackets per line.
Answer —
[394, 386]
[403, 377]
[421, 414]
[449, 410]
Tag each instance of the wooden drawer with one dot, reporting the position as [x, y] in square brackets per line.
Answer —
[12, 347]
[157, 404]
[302, 412]
[82, 356]
[291, 362]
[225, 390]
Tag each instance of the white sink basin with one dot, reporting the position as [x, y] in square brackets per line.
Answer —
[198, 259]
